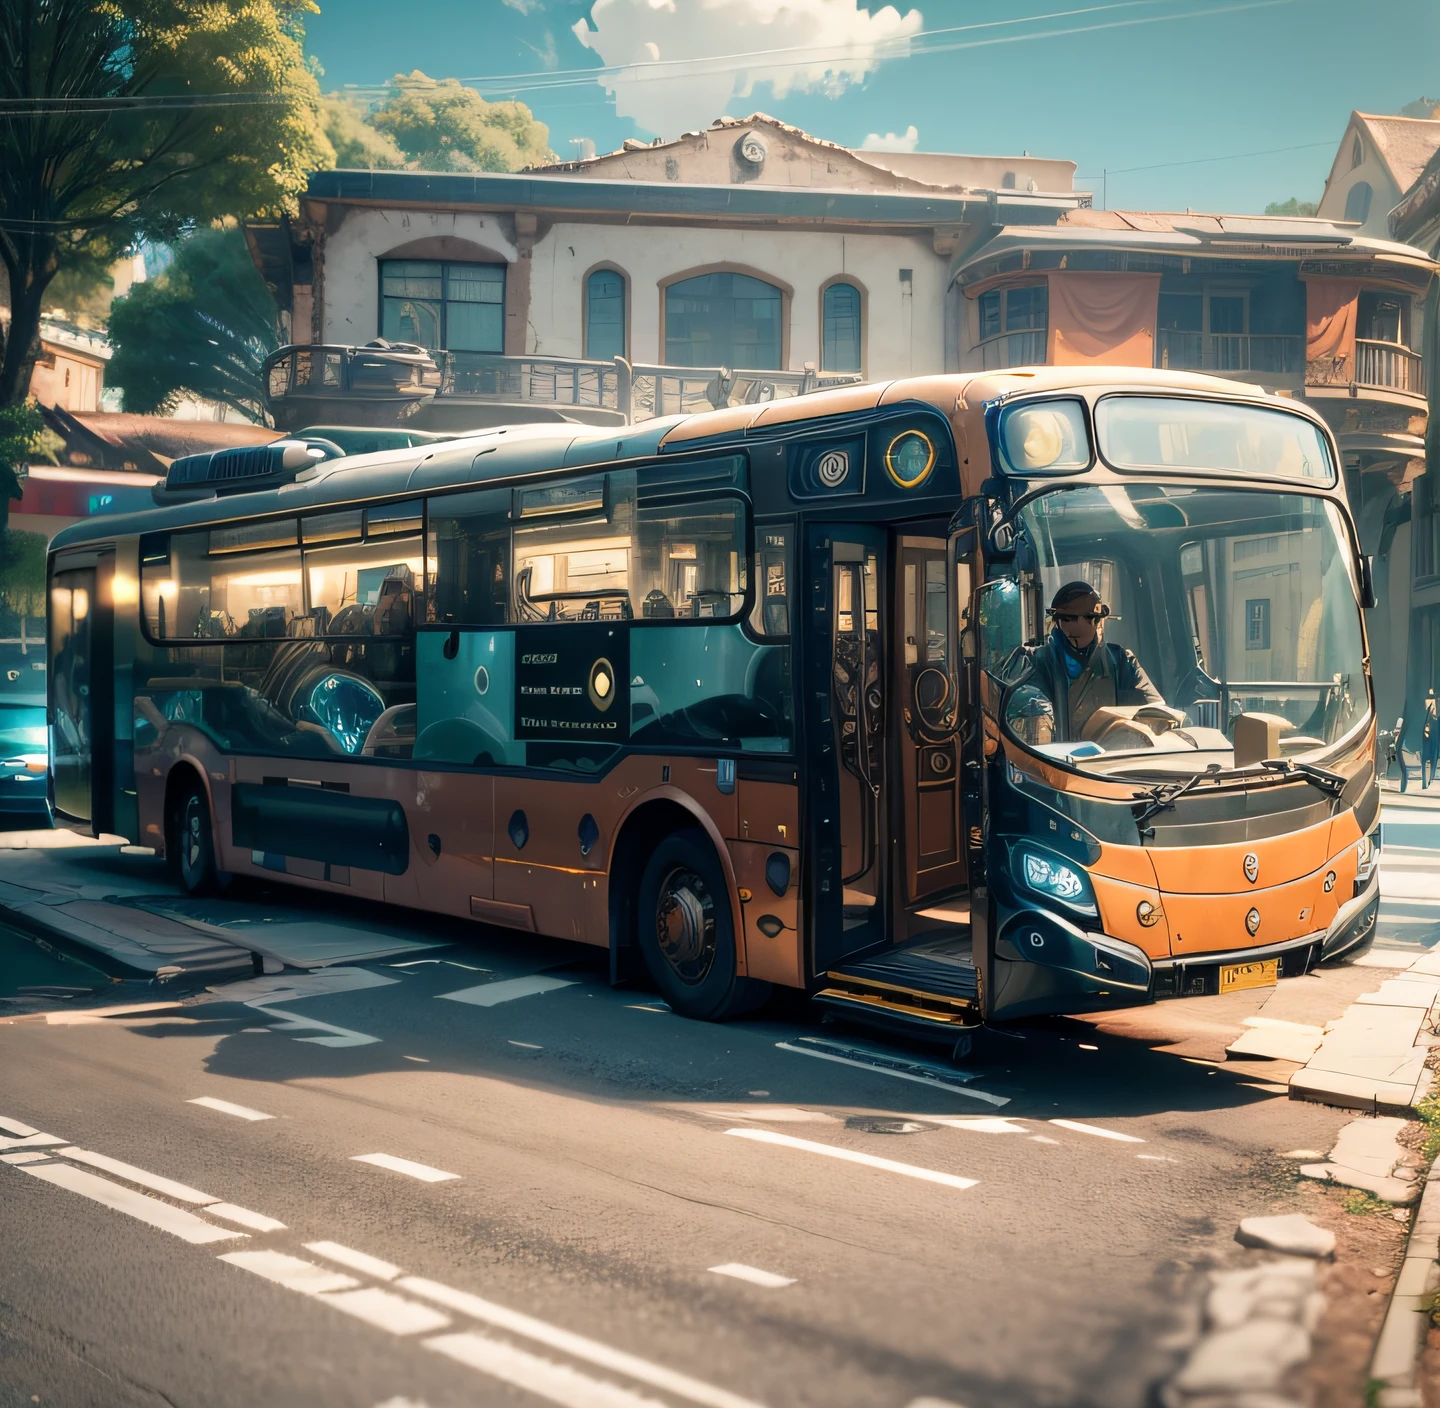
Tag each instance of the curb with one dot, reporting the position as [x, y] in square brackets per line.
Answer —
[1402, 1336]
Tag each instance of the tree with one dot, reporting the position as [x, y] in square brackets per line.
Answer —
[123, 119]
[356, 143]
[441, 125]
[1291, 207]
[204, 326]
[22, 436]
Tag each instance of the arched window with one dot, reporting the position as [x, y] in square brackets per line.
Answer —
[723, 320]
[605, 314]
[840, 329]
[1357, 203]
[1357, 153]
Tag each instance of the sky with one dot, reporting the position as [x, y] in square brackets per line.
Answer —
[1208, 105]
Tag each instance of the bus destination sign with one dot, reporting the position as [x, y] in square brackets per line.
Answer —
[573, 682]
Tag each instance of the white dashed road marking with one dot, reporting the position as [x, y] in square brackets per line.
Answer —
[176, 1221]
[557, 1382]
[291, 1272]
[387, 1311]
[953, 1087]
[753, 1274]
[829, 1151]
[507, 990]
[181, 1192]
[255, 1221]
[356, 1261]
[1096, 1130]
[242, 1112]
[20, 1131]
[423, 1172]
[30, 1141]
[980, 1125]
[577, 1346]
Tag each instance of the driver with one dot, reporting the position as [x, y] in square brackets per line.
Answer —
[1076, 668]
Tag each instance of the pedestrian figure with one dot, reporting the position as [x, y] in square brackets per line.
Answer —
[1429, 740]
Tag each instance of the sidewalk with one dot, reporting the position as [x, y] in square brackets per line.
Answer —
[117, 901]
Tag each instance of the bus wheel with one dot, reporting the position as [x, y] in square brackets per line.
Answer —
[687, 932]
[193, 850]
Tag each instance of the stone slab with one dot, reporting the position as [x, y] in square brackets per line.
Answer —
[1352, 1092]
[1408, 991]
[1291, 1233]
[1389, 1190]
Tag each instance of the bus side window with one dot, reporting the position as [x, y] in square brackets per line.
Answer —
[467, 554]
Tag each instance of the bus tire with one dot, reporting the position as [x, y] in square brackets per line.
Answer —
[193, 849]
[687, 931]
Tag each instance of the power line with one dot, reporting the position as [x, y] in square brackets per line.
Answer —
[143, 102]
[1202, 160]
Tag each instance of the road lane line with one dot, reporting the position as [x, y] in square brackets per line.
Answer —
[578, 1346]
[830, 1151]
[243, 1112]
[1157, 1158]
[255, 1221]
[506, 990]
[753, 1274]
[176, 1221]
[32, 1141]
[20, 1131]
[528, 1045]
[291, 1272]
[1098, 1131]
[25, 1156]
[897, 1075]
[387, 1311]
[181, 1192]
[557, 1382]
[423, 1172]
[1043, 1139]
[294, 1022]
[996, 1124]
[356, 1261]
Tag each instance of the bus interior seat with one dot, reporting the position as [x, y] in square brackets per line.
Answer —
[392, 735]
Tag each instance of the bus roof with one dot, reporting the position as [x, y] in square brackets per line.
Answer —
[507, 451]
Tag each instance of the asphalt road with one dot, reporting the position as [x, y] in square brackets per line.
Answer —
[602, 1158]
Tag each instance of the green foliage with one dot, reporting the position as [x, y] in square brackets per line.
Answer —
[1429, 1112]
[204, 326]
[440, 125]
[187, 111]
[22, 572]
[21, 431]
[1359, 1202]
[356, 143]
[84, 287]
[1421, 107]
[1291, 207]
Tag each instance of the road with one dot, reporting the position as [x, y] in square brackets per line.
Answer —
[587, 1164]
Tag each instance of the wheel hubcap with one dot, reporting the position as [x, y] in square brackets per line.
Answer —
[685, 925]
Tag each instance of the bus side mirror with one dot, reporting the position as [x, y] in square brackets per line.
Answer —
[1368, 599]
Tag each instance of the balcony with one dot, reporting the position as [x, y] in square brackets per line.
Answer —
[1227, 353]
[1390, 366]
[458, 391]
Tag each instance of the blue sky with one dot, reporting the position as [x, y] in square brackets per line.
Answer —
[1163, 85]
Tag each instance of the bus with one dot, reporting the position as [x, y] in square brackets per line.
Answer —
[769, 695]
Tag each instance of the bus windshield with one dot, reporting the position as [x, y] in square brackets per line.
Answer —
[1173, 610]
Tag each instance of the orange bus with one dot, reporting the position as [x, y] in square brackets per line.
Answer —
[775, 694]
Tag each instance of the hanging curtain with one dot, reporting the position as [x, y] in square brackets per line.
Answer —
[1330, 331]
[1103, 319]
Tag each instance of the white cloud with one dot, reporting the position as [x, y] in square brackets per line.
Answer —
[905, 141]
[710, 51]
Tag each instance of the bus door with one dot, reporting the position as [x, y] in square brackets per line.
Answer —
[858, 708]
[81, 681]
[925, 681]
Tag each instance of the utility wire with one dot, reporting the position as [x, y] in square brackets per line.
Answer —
[1202, 160]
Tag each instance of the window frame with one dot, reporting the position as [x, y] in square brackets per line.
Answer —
[863, 314]
[604, 267]
[787, 297]
[1001, 338]
[444, 300]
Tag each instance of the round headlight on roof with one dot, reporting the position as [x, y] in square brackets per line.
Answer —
[1045, 438]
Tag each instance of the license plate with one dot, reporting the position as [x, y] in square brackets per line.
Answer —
[1235, 977]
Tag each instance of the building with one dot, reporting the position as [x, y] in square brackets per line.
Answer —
[749, 245]
[1379, 159]
[1416, 221]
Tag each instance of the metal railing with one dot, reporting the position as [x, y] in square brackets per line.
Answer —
[1009, 349]
[1275, 354]
[1388, 364]
[637, 391]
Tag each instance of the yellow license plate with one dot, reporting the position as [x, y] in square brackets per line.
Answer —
[1235, 977]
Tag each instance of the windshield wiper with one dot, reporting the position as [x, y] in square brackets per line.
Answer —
[1332, 782]
[1162, 798]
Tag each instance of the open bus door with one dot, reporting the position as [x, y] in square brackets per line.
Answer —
[81, 679]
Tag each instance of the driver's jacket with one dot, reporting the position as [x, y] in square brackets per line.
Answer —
[1112, 675]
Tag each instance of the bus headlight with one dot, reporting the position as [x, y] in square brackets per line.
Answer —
[1367, 857]
[1054, 878]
